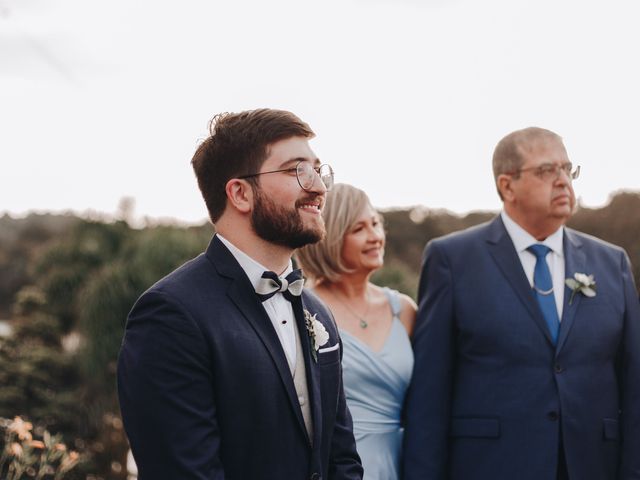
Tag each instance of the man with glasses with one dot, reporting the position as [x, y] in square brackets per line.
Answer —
[228, 368]
[527, 342]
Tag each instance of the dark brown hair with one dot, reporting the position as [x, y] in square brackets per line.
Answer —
[238, 145]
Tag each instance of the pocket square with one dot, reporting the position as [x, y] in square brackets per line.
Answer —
[329, 349]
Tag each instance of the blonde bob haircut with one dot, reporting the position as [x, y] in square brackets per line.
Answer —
[322, 261]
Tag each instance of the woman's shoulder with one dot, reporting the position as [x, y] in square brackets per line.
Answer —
[406, 307]
[407, 302]
[403, 300]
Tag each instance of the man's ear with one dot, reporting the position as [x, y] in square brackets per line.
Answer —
[239, 195]
[504, 184]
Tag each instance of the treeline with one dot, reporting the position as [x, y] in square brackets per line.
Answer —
[67, 284]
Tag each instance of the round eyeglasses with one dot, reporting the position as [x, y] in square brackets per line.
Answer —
[306, 174]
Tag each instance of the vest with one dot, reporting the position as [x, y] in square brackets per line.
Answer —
[302, 390]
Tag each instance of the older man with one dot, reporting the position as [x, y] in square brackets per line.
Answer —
[527, 343]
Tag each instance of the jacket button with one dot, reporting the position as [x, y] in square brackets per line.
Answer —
[553, 416]
[558, 368]
[315, 476]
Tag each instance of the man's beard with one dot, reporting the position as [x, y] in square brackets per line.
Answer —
[282, 226]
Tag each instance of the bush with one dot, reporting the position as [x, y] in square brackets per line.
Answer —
[24, 457]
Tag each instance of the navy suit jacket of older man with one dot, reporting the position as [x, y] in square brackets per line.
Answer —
[492, 397]
[206, 391]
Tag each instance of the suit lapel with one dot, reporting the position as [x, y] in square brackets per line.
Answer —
[242, 294]
[574, 261]
[313, 376]
[505, 255]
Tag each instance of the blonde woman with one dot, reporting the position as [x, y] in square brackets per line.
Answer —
[375, 324]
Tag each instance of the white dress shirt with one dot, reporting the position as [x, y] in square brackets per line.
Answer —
[555, 259]
[278, 308]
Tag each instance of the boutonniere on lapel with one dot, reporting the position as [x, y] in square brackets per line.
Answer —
[583, 283]
[317, 333]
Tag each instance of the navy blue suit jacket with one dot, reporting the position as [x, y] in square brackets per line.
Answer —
[206, 391]
[491, 397]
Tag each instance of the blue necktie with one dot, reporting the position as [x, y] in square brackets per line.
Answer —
[543, 289]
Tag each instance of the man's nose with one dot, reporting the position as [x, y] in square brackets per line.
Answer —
[319, 186]
[562, 177]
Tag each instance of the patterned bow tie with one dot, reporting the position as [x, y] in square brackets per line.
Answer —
[270, 284]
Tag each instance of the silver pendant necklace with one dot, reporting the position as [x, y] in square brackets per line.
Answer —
[362, 319]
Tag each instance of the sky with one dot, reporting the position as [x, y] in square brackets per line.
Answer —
[105, 100]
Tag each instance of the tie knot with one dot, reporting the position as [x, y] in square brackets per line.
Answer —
[539, 250]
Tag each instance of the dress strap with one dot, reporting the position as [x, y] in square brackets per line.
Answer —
[394, 301]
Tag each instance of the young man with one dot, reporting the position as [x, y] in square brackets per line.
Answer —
[228, 368]
[527, 343]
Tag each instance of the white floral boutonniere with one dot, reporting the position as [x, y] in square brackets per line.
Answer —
[317, 333]
[583, 283]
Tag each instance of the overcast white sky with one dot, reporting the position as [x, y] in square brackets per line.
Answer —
[101, 100]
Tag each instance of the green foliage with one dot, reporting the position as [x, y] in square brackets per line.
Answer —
[64, 268]
[160, 250]
[20, 240]
[106, 300]
[29, 299]
[39, 379]
[47, 381]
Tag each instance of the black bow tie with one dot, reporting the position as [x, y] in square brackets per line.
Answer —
[270, 284]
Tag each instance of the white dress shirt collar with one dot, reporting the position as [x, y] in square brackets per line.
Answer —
[251, 267]
[523, 239]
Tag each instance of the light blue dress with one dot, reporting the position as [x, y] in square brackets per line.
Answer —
[375, 384]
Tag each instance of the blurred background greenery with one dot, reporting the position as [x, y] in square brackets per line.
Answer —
[67, 284]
